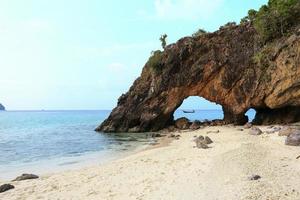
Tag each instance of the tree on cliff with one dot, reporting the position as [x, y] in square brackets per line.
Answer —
[163, 39]
[250, 18]
[275, 19]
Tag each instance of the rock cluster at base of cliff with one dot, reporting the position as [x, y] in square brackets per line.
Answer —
[229, 67]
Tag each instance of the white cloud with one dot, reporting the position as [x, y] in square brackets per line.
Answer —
[186, 9]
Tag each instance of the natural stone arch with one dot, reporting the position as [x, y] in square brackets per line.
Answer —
[219, 67]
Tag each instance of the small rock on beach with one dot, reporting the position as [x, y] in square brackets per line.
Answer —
[254, 177]
[217, 131]
[286, 131]
[182, 123]
[247, 125]
[207, 140]
[202, 142]
[201, 145]
[255, 131]
[26, 177]
[293, 139]
[6, 187]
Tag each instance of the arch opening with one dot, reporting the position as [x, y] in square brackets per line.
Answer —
[198, 108]
[251, 114]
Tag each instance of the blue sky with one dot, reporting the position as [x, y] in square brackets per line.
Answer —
[83, 54]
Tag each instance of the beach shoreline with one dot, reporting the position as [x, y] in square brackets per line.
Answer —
[178, 170]
[61, 164]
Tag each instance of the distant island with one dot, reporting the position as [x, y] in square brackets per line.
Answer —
[2, 108]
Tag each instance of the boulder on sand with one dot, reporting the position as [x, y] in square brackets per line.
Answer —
[201, 145]
[195, 125]
[207, 140]
[202, 142]
[247, 125]
[5, 187]
[293, 139]
[26, 177]
[286, 131]
[182, 123]
[273, 129]
[255, 131]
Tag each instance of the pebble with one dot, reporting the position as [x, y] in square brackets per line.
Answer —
[254, 177]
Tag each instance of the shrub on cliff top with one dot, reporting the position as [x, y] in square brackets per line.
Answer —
[275, 19]
[154, 61]
[250, 18]
[199, 32]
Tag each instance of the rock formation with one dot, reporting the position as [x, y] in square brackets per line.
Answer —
[26, 177]
[229, 67]
[2, 107]
[6, 187]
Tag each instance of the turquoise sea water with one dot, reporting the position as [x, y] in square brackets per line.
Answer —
[208, 114]
[43, 141]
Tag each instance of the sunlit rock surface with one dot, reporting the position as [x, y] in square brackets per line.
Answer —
[229, 67]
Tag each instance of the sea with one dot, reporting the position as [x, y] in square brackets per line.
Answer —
[50, 141]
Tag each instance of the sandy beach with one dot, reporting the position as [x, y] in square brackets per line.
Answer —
[180, 171]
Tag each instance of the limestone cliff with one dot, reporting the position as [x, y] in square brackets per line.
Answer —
[229, 67]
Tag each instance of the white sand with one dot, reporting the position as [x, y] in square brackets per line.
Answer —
[179, 171]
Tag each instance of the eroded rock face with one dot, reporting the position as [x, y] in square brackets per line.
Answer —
[223, 67]
[284, 115]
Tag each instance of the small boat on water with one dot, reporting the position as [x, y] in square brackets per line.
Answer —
[188, 111]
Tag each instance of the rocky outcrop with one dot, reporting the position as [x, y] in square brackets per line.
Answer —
[2, 107]
[26, 177]
[229, 67]
[255, 131]
[6, 187]
[202, 142]
[293, 139]
[182, 123]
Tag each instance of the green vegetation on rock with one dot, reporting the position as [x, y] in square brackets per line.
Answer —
[199, 32]
[250, 18]
[163, 39]
[154, 61]
[275, 19]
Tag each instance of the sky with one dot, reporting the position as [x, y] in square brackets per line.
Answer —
[83, 54]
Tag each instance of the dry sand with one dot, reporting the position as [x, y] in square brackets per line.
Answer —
[180, 171]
